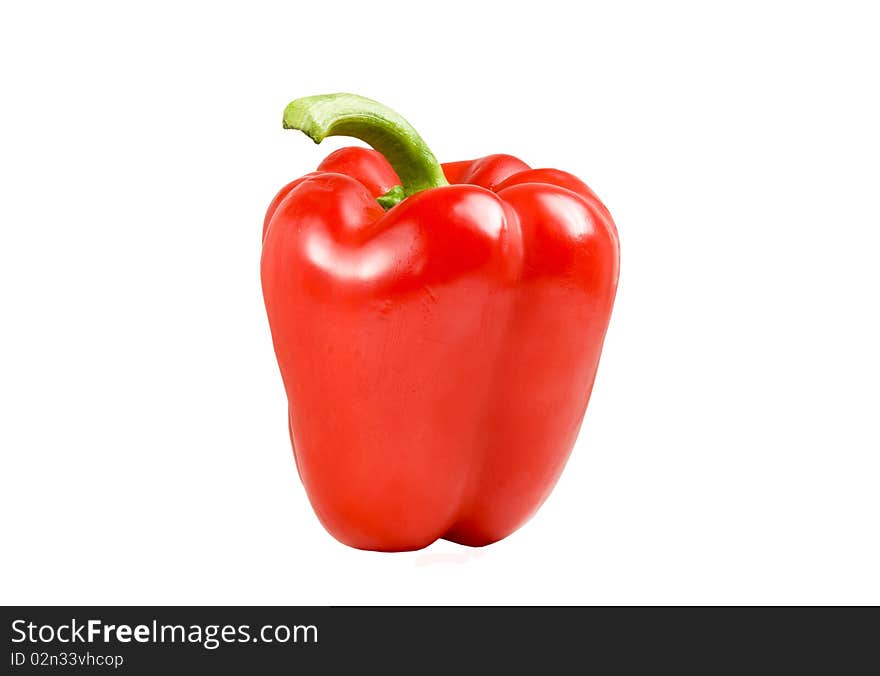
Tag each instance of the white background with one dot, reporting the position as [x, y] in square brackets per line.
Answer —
[731, 451]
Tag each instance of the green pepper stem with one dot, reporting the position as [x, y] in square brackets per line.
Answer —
[350, 115]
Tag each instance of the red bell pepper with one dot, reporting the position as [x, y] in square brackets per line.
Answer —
[438, 329]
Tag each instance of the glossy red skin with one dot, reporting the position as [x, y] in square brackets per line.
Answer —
[438, 358]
